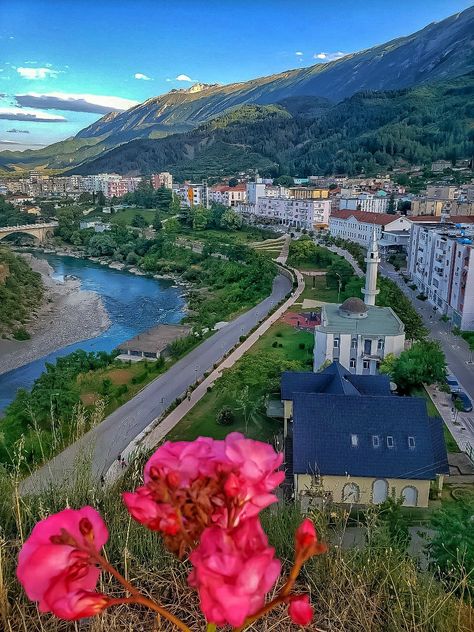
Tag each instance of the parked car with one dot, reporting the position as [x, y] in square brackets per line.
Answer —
[453, 383]
[462, 400]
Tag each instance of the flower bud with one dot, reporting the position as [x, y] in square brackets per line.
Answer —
[300, 610]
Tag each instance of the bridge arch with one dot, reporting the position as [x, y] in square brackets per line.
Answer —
[40, 231]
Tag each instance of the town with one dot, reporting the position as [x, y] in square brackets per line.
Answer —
[237, 318]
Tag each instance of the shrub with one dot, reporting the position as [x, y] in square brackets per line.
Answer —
[225, 417]
[302, 345]
[21, 334]
[275, 344]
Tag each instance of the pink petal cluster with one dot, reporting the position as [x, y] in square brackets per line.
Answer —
[55, 567]
[233, 571]
[247, 471]
[300, 610]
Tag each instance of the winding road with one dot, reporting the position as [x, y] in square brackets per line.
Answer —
[107, 440]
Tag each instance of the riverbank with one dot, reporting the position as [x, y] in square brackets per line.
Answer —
[67, 315]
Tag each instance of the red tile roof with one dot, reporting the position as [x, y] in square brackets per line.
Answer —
[366, 217]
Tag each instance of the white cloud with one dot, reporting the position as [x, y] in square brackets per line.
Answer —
[329, 56]
[299, 53]
[29, 114]
[37, 73]
[93, 103]
[140, 75]
[184, 78]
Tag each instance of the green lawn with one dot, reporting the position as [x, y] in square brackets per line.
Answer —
[260, 370]
[124, 218]
[320, 292]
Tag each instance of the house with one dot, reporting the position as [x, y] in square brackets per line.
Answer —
[359, 444]
[153, 343]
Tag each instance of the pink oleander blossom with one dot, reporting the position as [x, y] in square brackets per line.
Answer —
[306, 540]
[233, 571]
[154, 515]
[300, 610]
[55, 565]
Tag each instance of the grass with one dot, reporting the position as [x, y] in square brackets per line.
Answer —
[319, 292]
[125, 216]
[451, 444]
[201, 420]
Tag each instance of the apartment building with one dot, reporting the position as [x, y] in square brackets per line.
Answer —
[194, 194]
[162, 179]
[441, 264]
[392, 231]
[228, 196]
[309, 193]
[289, 212]
[366, 202]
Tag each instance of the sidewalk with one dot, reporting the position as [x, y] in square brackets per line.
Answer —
[460, 424]
[157, 430]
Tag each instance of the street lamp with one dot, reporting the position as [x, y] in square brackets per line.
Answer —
[339, 283]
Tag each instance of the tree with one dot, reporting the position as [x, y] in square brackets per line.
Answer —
[100, 199]
[423, 363]
[200, 217]
[452, 546]
[338, 274]
[101, 244]
[391, 204]
[231, 220]
[225, 417]
[284, 181]
[157, 225]
[233, 182]
[138, 221]
[85, 198]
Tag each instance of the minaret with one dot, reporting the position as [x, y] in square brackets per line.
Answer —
[372, 261]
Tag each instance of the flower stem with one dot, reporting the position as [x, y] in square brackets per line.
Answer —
[138, 597]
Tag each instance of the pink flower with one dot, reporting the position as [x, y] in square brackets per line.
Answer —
[233, 571]
[255, 466]
[55, 566]
[300, 610]
[306, 541]
[156, 516]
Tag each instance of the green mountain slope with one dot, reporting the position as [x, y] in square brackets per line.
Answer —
[439, 51]
[362, 133]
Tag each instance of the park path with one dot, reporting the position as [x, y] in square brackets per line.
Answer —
[157, 430]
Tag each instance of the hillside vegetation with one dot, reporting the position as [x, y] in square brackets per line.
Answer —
[21, 291]
[301, 136]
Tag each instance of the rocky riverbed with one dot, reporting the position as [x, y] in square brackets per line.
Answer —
[68, 315]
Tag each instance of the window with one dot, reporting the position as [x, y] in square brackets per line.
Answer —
[389, 442]
[375, 441]
[411, 442]
[366, 364]
[354, 343]
[354, 440]
[336, 343]
[352, 363]
[350, 493]
[380, 344]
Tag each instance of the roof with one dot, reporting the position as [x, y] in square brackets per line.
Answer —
[333, 379]
[156, 339]
[323, 425]
[452, 219]
[366, 217]
[354, 305]
[380, 321]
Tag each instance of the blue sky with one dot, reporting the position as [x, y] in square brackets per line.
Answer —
[63, 63]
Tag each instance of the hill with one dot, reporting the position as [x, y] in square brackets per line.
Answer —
[439, 51]
[304, 135]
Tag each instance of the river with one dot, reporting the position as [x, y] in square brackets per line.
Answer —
[134, 304]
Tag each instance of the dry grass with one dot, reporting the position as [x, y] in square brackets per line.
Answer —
[376, 589]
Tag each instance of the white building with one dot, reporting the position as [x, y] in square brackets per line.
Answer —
[358, 334]
[289, 212]
[194, 194]
[366, 202]
[441, 264]
[392, 231]
[228, 196]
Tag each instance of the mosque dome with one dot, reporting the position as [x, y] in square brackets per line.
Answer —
[353, 308]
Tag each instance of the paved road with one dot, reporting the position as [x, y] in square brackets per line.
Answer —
[455, 348]
[112, 435]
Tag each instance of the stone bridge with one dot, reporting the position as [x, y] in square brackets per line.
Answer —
[40, 231]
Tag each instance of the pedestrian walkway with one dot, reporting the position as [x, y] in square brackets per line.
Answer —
[460, 425]
[157, 430]
[348, 257]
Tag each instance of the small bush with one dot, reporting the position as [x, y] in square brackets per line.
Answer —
[302, 346]
[225, 417]
[421, 297]
[242, 338]
[21, 334]
[275, 344]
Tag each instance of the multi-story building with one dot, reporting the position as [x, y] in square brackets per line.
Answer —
[309, 193]
[441, 264]
[367, 202]
[228, 196]
[255, 190]
[392, 231]
[289, 212]
[194, 194]
[163, 179]
[441, 192]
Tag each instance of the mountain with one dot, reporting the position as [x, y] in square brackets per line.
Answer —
[440, 50]
[305, 135]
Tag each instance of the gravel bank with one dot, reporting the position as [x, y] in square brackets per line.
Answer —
[68, 315]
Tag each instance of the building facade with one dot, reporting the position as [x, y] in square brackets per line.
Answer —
[289, 212]
[366, 202]
[441, 264]
[392, 231]
[162, 179]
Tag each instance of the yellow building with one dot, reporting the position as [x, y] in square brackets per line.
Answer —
[349, 437]
[306, 193]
